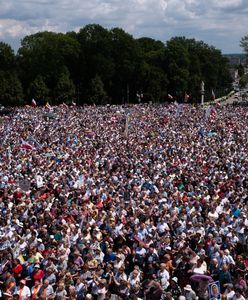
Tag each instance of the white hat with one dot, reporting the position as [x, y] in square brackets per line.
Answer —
[175, 279]
[8, 295]
[188, 287]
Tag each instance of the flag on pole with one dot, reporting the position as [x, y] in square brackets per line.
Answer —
[208, 112]
[48, 105]
[34, 104]
[21, 259]
[26, 146]
[213, 95]
[186, 97]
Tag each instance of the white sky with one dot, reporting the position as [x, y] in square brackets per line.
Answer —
[220, 23]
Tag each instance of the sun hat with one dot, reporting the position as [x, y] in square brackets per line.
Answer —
[188, 287]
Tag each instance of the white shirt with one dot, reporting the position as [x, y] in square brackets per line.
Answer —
[238, 298]
[161, 227]
[141, 251]
[229, 295]
[164, 277]
[25, 292]
[213, 216]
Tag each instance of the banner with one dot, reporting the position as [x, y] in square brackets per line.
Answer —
[214, 290]
[39, 181]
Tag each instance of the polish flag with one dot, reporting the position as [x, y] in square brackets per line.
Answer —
[26, 146]
[213, 95]
[34, 104]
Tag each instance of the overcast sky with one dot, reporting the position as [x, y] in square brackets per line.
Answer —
[220, 23]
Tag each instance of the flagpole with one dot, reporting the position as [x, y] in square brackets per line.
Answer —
[202, 93]
[127, 125]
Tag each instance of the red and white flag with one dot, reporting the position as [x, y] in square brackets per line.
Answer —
[26, 146]
[34, 104]
[213, 95]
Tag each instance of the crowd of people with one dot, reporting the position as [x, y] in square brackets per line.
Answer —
[111, 202]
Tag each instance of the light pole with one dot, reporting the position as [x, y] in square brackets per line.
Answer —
[202, 92]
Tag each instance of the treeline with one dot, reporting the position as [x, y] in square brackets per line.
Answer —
[97, 65]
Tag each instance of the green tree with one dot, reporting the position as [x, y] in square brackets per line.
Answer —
[95, 57]
[241, 70]
[244, 44]
[152, 77]
[10, 86]
[38, 89]
[65, 89]
[243, 82]
[98, 94]
[177, 65]
[7, 57]
[10, 89]
[47, 54]
[115, 62]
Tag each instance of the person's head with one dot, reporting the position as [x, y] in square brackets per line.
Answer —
[168, 296]
[37, 283]
[188, 288]
[46, 283]
[61, 287]
[199, 262]
[135, 273]
[72, 290]
[238, 293]
[229, 286]
[227, 252]
[174, 281]
[214, 289]
[102, 283]
[22, 283]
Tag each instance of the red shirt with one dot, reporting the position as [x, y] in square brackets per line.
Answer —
[17, 269]
[38, 275]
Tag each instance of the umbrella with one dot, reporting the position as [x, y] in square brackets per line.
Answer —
[201, 277]
[25, 185]
[50, 115]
